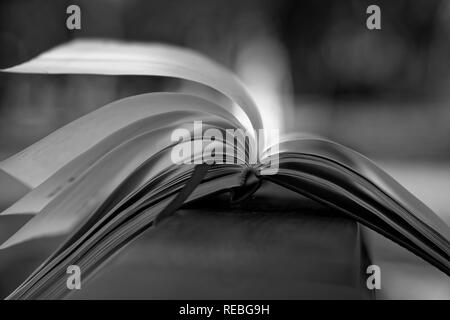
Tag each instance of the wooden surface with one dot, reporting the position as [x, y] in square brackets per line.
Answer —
[277, 245]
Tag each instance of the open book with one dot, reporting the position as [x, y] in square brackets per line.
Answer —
[103, 179]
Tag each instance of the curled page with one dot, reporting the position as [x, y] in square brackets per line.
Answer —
[121, 58]
[50, 164]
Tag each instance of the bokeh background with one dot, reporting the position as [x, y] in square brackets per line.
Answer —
[384, 93]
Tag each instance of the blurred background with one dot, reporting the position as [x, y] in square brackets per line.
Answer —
[384, 93]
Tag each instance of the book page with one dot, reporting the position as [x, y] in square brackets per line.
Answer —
[39, 162]
[108, 57]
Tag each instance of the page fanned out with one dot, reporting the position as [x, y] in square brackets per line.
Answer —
[121, 58]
